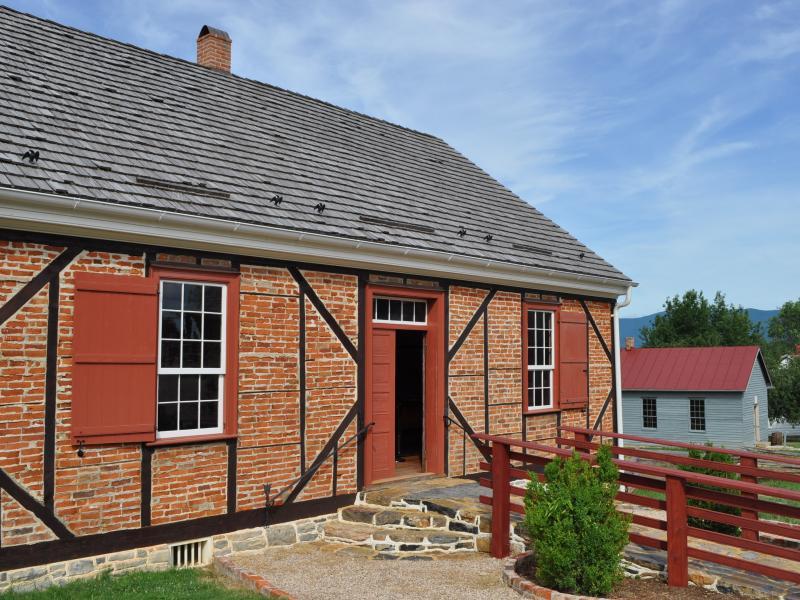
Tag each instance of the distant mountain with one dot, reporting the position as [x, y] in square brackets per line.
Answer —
[631, 327]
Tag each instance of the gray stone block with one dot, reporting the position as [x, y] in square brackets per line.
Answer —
[128, 555]
[443, 538]
[465, 527]
[80, 567]
[27, 574]
[281, 535]
[254, 542]
[306, 528]
[159, 557]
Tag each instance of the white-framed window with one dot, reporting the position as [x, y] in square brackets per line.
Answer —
[697, 414]
[541, 359]
[399, 310]
[649, 413]
[191, 358]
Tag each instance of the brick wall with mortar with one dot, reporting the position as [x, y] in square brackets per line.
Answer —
[100, 491]
[466, 379]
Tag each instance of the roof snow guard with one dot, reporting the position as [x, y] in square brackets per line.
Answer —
[90, 100]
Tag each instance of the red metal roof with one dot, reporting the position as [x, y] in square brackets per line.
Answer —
[714, 369]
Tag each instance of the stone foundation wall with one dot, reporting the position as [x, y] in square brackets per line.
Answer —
[157, 558]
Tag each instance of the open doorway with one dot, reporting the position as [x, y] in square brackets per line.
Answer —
[409, 401]
[404, 398]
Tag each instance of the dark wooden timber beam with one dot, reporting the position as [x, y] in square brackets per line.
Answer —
[321, 457]
[306, 289]
[51, 391]
[42, 278]
[145, 483]
[467, 428]
[471, 324]
[28, 502]
[592, 322]
[301, 365]
[603, 410]
[16, 557]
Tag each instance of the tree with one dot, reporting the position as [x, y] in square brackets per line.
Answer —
[691, 320]
[784, 334]
[784, 329]
[784, 397]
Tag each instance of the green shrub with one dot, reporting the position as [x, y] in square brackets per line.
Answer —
[723, 508]
[578, 536]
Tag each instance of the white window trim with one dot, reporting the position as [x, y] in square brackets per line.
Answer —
[655, 400]
[220, 371]
[551, 367]
[705, 416]
[375, 318]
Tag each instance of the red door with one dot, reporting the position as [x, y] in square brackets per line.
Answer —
[381, 446]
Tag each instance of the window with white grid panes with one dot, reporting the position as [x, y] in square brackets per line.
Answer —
[191, 361]
[400, 310]
[541, 359]
[649, 413]
[697, 414]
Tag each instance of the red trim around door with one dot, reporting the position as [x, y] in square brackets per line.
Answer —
[434, 439]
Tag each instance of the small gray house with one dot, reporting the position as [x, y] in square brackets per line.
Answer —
[698, 395]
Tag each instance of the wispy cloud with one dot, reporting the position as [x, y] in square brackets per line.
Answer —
[664, 134]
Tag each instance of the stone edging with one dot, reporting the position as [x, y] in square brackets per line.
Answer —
[527, 589]
[226, 567]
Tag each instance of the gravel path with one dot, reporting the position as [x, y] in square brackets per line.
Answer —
[321, 571]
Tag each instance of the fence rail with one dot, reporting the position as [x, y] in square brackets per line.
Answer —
[675, 489]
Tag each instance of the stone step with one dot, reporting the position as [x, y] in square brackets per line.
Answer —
[385, 516]
[397, 540]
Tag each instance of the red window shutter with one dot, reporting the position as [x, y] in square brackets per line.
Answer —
[115, 349]
[573, 360]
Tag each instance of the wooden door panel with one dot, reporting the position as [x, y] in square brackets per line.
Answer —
[382, 433]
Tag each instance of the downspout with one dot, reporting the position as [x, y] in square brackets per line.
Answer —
[617, 362]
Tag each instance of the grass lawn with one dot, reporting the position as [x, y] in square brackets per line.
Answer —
[184, 584]
[793, 444]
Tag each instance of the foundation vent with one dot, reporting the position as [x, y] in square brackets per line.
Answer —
[191, 554]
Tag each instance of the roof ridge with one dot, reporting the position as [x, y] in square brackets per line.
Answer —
[217, 74]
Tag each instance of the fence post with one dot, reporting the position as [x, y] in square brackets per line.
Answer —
[746, 461]
[677, 533]
[500, 500]
[582, 437]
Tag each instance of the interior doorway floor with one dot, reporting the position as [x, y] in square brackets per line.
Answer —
[411, 465]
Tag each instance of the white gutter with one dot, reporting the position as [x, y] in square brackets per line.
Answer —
[59, 214]
[617, 362]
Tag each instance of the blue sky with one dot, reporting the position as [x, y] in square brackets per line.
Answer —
[663, 134]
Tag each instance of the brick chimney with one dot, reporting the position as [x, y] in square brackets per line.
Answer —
[214, 49]
[630, 343]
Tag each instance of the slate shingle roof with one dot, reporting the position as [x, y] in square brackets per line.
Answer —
[117, 123]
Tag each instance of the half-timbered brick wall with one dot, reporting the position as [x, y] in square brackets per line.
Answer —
[490, 360]
[298, 378]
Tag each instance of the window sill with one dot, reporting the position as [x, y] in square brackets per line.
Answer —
[192, 439]
[541, 411]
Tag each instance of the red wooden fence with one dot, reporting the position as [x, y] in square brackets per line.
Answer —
[676, 485]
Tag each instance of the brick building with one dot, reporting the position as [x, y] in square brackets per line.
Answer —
[222, 302]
